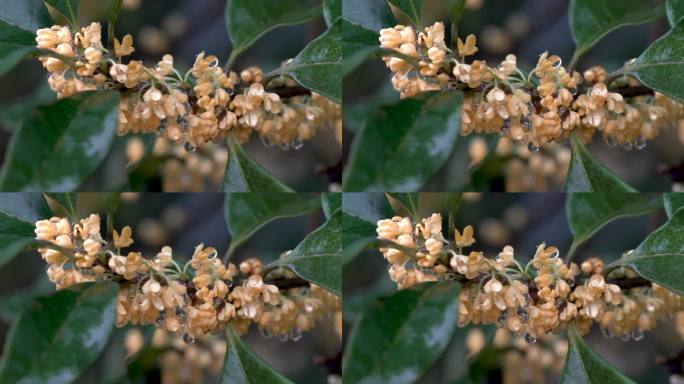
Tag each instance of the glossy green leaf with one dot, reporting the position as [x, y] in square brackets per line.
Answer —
[63, 204]
[358, 44]
[589, 212]
[371, 14]
[410, 202]
[411, 8]
[357, 235]
[12, 115]
[17, 32]
[60, 145]
[399, 337]
[56, 338]
[28, 15]
[15, 235]
[318, 257]
[332, 10]
[591, 20]
[672, 202]
[27, 207]
[243, 174]
[113, 9]
[582, 365]
[242, 366]
[660, 257]
[68, 8]
[318, 66]
[246, 213]
[248, 20]
[586, 174]
[675, 10]
[368, 206]
[331, 202]
[411, 141]
[660, 66]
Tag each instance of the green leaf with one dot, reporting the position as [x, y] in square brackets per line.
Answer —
[589, 212]
[371, 14]
[586, 174]
[368, 206]
[591, 20]
[63, 204]
[357, 235]
[246, 213]
[660, 257]
[675, 10]
[332, 10]
[243, 174]
[673, 201]
[358, 44]
[411, 8]
[242, 366]
[318, 257]
[113, 9]
[409, 202]
[401, 336]
[248, 20]
[12, 115]
[18, 213]
[582, 365]
[68, 8]
[318, 66]
[57, 337]
[411, 141]
[661, 64]
[28, 15]
[60, 145]
[331, 202]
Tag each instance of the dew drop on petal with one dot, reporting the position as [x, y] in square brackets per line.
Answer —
[189, 147]
[532, 148]
[530, 339]
[188, 339]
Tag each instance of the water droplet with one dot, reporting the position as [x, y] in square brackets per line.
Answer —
[640, 143]
[505, 128]
[188, 339]
[628, 253]
[607, 333]
[555, 254]
[638, 334]
[297, 144]
[502, 319]
[189, 147]
[525, 121]
[573, 91]
[532, 148]
[610, 141]
[627, 146]
[530, 339]
[625, 337]
[285, 146]
[296, 335]
[558, 63]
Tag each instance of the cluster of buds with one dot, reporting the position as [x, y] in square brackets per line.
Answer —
[204, 104]
[202, 296]
[546, 105]
[544, 296]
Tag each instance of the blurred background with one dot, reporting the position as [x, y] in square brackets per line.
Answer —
[183, 28]
[182, 221]
[526, 28]
[524, 220]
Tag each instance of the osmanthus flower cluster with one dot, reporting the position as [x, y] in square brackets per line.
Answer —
[202, 296]
[206, 103]
[544, 296]
[548, 104]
